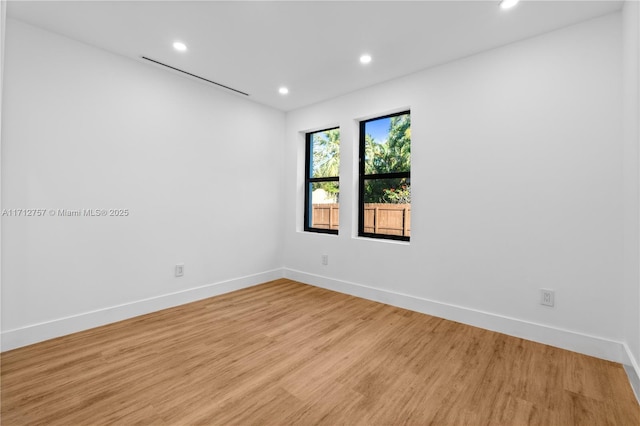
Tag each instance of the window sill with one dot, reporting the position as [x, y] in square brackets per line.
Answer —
[383, 240]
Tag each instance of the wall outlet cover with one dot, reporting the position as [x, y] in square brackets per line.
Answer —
[180, 270]
[547, 297]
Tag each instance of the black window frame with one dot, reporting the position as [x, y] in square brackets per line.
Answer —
[308, 180]
[362, 177]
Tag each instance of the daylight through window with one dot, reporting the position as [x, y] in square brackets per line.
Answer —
[385, 177]
[322, 187]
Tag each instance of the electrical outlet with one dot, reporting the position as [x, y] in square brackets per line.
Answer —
[325, 259]
[179, 269]
[547, 297]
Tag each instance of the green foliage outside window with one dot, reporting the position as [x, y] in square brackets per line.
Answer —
[392, 155]
[326, 159]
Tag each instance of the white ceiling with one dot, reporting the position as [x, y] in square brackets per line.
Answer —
[312, 47]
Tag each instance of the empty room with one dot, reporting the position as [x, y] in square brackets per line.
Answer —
[320, 212]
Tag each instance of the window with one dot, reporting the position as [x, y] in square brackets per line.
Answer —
[385, 177]
[322, 187]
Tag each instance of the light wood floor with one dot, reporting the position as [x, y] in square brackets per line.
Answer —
[287, 353]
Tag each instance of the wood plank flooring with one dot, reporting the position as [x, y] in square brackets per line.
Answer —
[286, 353]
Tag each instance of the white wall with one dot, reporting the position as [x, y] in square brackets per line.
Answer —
[198, 168]
[521, 180]
[516, 183]
[3, 20]
[631, 81]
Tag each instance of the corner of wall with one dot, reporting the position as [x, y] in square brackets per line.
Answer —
[631, 176]
[631, 188]
[3, 26]
[632, 369]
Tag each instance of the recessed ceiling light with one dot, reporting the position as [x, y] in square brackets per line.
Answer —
[365, 59]
[181, 47]
[283, 90]
[508, 4]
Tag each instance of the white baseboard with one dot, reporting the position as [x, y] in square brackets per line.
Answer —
[12, 339]
[566, 339]
[578, 342]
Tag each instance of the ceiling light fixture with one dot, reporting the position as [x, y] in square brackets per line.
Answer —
[508, 4]
[365, 59]
[180, 47]
[283, 90]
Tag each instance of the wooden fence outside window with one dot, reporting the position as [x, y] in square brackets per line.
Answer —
[379, 218]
